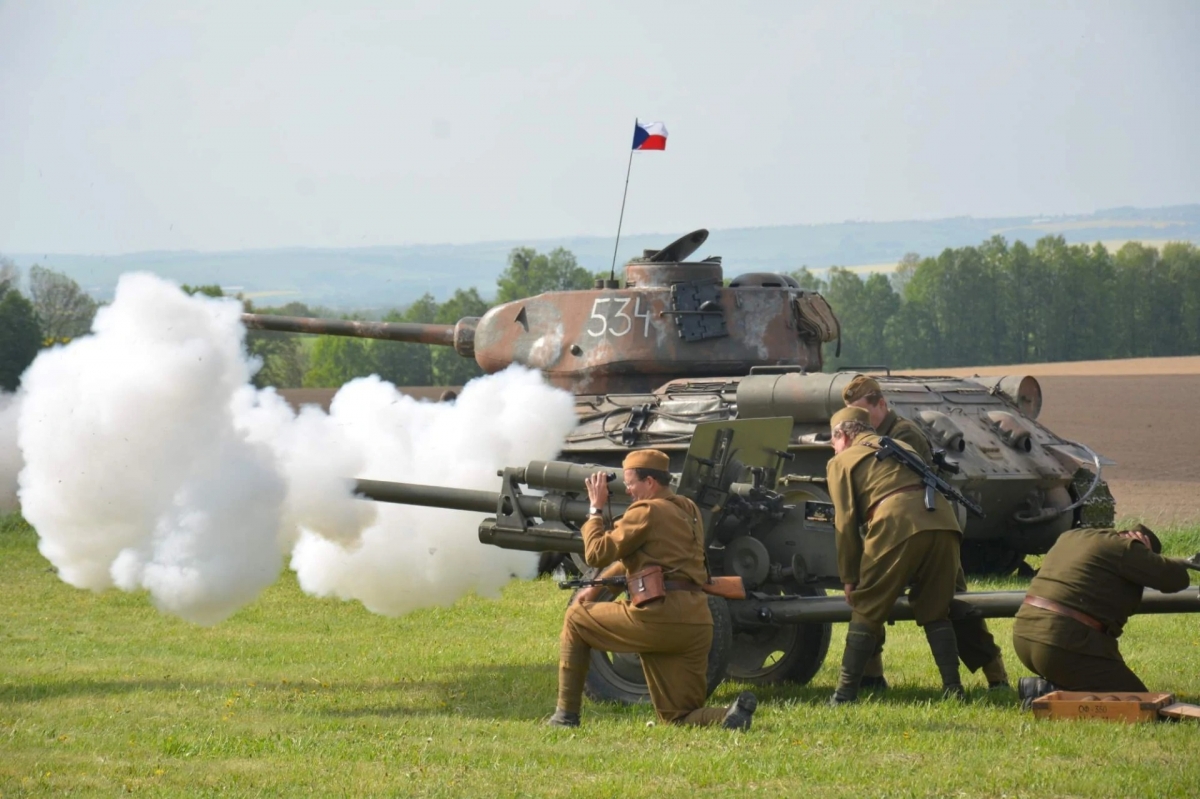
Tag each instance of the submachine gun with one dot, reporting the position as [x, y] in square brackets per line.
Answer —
[888, 448]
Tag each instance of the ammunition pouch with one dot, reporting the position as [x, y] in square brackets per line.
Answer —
[646, 586]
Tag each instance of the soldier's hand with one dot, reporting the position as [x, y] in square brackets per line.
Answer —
[590, 593]
[848, 588]
[597, 488]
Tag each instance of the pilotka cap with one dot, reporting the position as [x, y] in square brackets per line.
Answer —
[860, 387]
[850, 415]
[647, 459]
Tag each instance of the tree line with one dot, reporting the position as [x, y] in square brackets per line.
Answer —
[56, 311]
[1001, 303]
[995, 303]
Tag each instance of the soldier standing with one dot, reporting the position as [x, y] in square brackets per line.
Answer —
[1090, 582]
[672, 634]
[976, 647]
[887, 541]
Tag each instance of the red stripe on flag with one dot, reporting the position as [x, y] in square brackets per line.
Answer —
[654, 143]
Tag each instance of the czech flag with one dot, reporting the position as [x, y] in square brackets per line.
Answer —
[649, 136]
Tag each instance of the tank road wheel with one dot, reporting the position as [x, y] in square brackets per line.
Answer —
[990, 556]
[780, 653]
[618, 677]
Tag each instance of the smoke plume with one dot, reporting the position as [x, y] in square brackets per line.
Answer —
[151, 463]
[10, 456]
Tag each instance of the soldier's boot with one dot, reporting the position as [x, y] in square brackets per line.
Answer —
[996, 674]
[1030, 688]
[860, 646]
[944, 646]
[741, 712]
[873, 679]
[563, 718]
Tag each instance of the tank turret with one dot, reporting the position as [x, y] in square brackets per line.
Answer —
[672, 319]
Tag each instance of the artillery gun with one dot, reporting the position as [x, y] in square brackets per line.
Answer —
[735, 471]
[674, 346]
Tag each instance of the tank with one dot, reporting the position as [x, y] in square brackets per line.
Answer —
[765, 521]
[674, 346]
[671, 319]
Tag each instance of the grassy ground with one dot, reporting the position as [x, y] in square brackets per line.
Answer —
[100, 694]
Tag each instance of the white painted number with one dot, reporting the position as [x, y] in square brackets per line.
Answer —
[620, 314]
[616, 329]
[596, 315]
[646, 316]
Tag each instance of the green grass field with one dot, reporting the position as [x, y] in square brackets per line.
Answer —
[100, 694]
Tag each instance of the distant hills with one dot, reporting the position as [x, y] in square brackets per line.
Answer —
[385, 277]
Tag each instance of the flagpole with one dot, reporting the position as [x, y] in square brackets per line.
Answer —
[612, 273]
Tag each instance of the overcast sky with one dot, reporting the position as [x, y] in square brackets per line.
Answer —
[129, 126]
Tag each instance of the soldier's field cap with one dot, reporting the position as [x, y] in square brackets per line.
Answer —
[850, 415]
[647, 459]
[860, 387]
[1155, 542]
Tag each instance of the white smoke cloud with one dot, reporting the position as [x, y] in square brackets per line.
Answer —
[151, 463]
[135, 474]
[414, 557]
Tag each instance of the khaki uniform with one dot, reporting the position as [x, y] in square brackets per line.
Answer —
[907, 432]
[976, 646]
[901, 543]
[672, 636]
[1101, 574]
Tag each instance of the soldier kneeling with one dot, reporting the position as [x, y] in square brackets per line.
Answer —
[672, 634]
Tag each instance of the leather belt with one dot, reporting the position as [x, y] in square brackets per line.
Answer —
[874, 505]
[681, 585]
[1063, 610]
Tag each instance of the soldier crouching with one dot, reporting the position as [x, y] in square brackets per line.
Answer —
[672, 634]
[886, 541]
[1089, 584]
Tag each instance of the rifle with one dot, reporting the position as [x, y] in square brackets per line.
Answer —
[609, 582]
[888, 448]
[727, 587]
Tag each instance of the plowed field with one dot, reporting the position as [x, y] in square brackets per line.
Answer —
[1143, 413]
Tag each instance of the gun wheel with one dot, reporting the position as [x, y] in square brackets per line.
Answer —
[791, 653]
[618, 677]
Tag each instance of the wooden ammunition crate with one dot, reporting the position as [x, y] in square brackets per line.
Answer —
[1112, 706]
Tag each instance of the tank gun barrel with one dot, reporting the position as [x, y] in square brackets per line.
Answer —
[460, 336]
[528, 522]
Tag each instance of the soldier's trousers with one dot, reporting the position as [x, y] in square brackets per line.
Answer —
[928, 561]
[674, 658]
[976, 645]
[1072, 671]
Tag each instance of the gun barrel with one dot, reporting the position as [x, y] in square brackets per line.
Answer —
[439, 335]
[989, 604]
[428, 496]
[509, 529]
